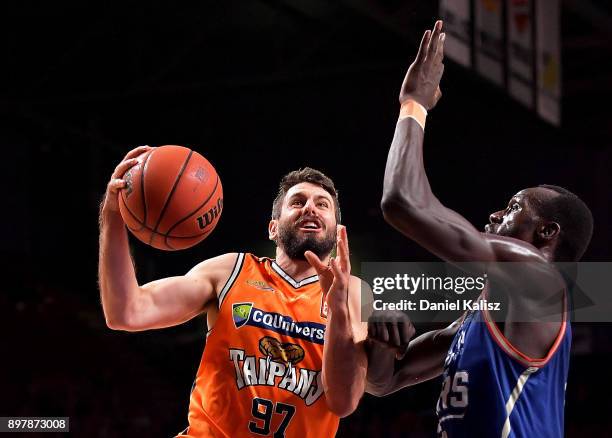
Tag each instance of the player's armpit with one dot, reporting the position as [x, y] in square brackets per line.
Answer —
[174, 300]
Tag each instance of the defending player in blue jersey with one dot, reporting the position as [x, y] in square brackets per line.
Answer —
[500, 378]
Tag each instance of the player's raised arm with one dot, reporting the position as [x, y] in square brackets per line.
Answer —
[408, 203]
[162, 303]
[344, 357]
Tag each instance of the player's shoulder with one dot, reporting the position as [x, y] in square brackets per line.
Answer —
[524, 264]
[218, 265]
[359, 304]
[510, 249]
[358, 285]
[355, 280]
[360, 291]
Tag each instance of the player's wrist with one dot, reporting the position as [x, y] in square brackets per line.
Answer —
[412, 109]
[109, 217]
[338, 306]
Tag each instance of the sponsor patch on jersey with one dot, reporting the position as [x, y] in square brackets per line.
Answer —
[246, 314]
[261, 285]
[240, 313]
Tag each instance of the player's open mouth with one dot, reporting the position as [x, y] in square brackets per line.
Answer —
[489, 228]
[310, 226]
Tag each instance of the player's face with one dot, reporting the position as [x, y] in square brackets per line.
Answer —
[307, 221]
[519, 219]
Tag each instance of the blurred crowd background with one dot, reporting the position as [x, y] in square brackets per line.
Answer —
[259, 88]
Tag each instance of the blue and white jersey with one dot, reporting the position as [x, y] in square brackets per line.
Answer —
[490, 389]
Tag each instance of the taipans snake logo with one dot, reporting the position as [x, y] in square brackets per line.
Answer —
[277, 351]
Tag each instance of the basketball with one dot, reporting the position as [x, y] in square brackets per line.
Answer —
[172, 198]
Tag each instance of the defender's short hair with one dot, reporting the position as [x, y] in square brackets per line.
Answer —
[574, 218]
[309, 175]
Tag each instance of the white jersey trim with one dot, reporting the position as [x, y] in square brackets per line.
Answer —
[517, 355]
[232, 278]
[290, 280]
[514, 396]
[451, 417]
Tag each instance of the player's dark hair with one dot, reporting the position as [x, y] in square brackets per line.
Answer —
[574, 219]
[310, 175]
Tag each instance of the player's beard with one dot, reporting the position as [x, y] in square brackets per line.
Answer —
[295, 244]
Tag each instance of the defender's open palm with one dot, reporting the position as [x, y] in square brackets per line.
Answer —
[422, 81]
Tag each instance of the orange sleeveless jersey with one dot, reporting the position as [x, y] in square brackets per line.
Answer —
[260, 373]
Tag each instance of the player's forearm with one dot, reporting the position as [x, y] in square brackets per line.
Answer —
[405, 184]
[344, 364]
[381, 369]
[423, 361]
[117, 279]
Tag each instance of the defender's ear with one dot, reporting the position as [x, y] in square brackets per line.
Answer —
[549, 230]
[273, 230]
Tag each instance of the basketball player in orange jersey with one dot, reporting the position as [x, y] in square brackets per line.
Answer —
[279, 330]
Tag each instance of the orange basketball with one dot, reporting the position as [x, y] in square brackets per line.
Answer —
[172, 199]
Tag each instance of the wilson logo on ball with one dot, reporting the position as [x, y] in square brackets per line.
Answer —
[208, 218]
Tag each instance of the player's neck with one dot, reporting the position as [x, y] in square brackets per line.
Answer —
[297, 269]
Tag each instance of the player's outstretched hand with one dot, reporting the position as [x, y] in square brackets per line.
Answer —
[422, 81]
[391, 328]
[334, 279]
[110, 203]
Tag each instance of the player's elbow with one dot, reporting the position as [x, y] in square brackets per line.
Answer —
[342, 406]
[128, 322]
[390, 206]
[124, 310]
[377, 390]
[122, 321]
[398, 211]
[113, 319]
[119, 323]
[115, 324]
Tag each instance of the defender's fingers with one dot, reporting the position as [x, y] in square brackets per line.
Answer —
[406, 332]
[123, 167]
[383, 334]
[394, 337]
[422, 53]
[435, 39]
[372, 330]
[439, 56]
